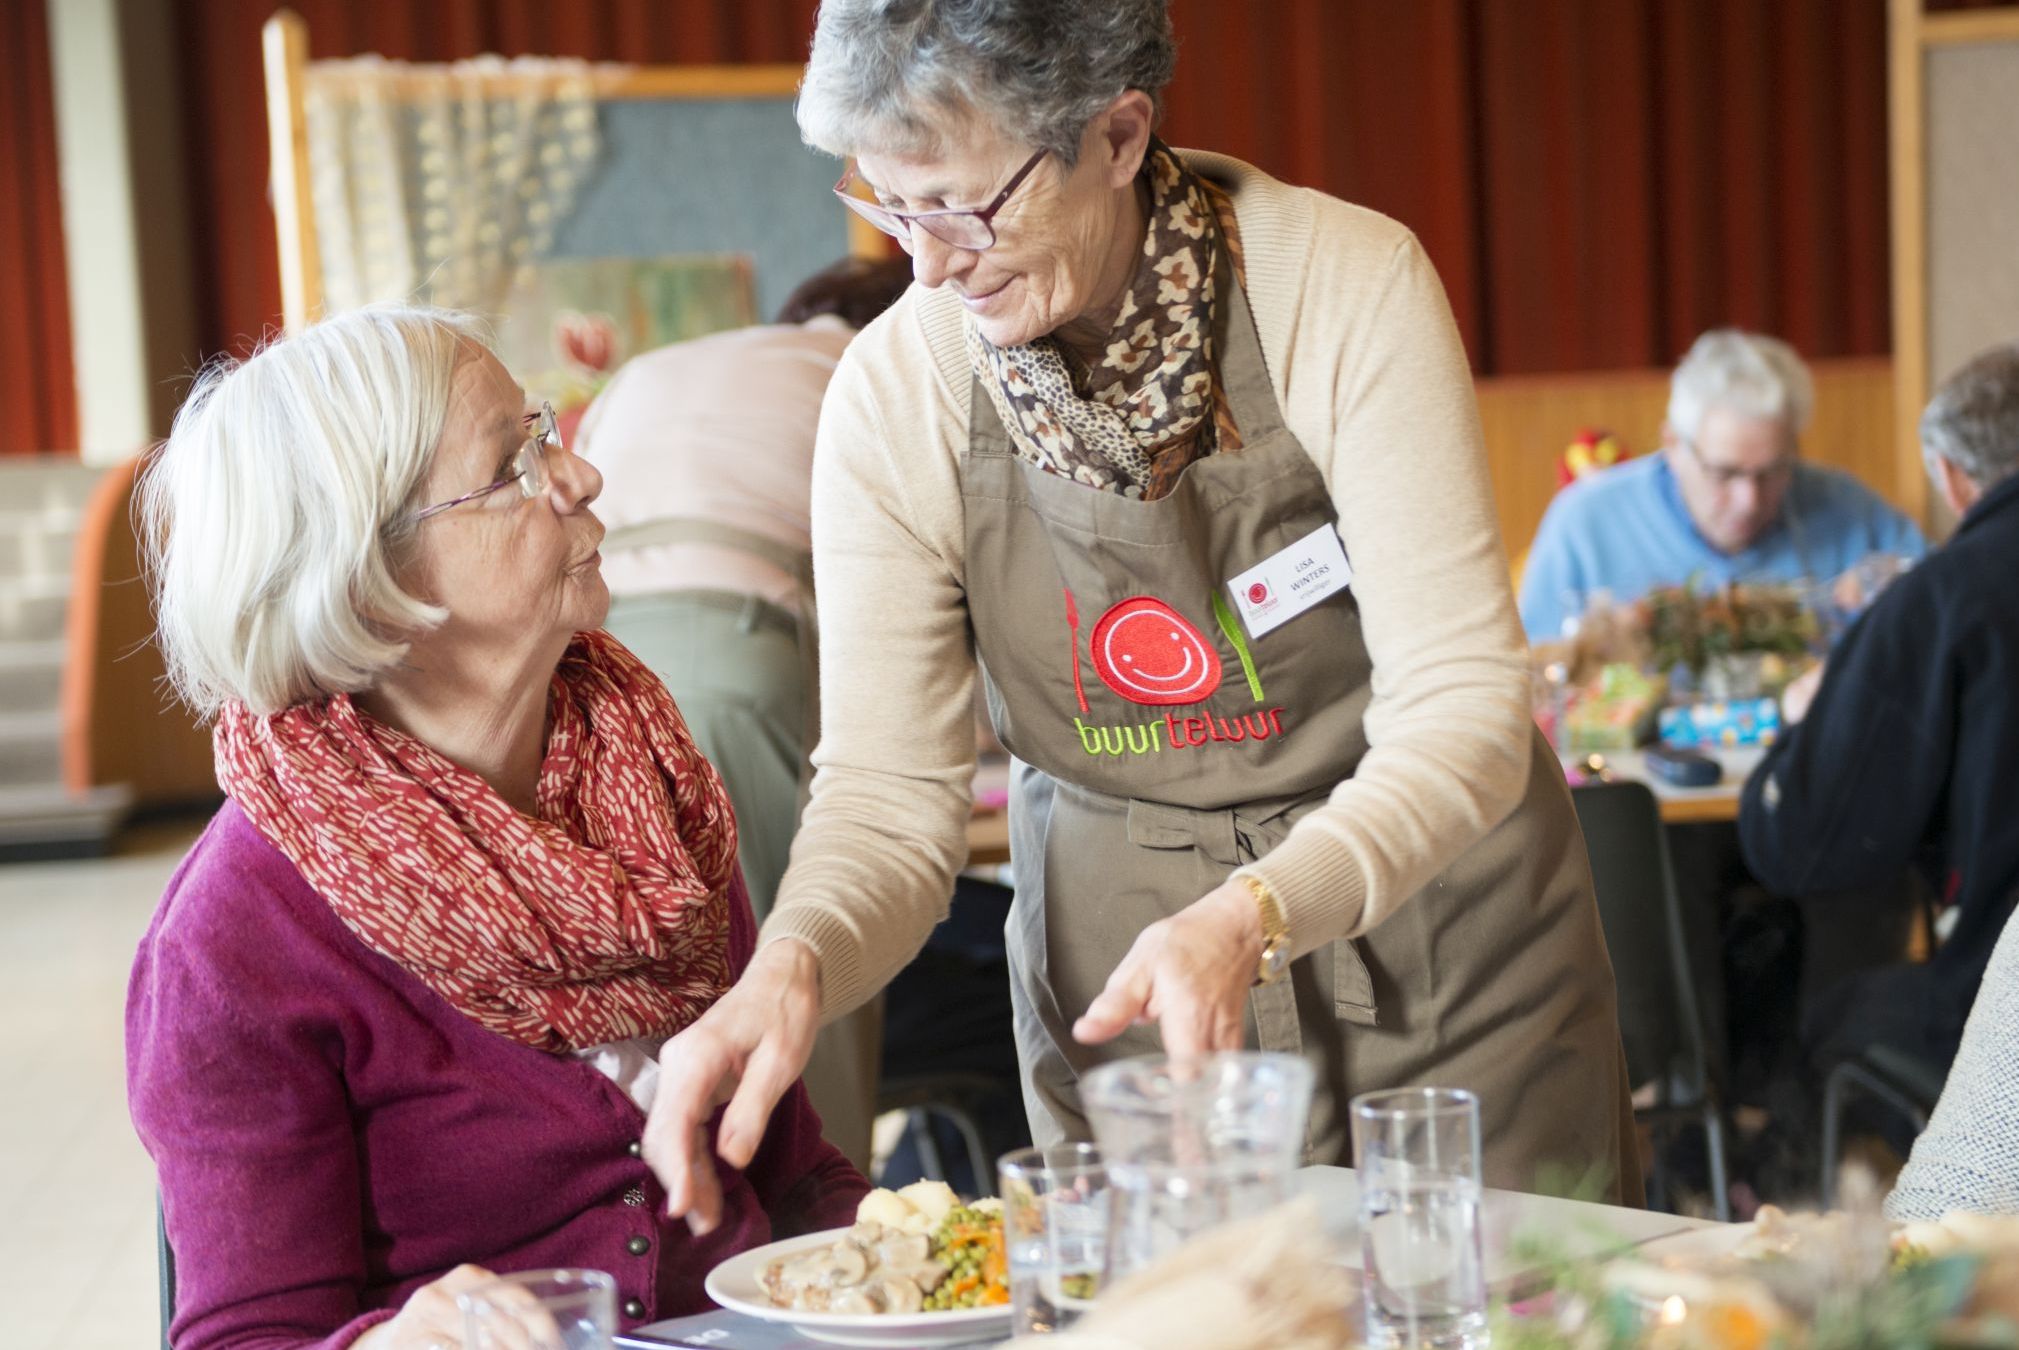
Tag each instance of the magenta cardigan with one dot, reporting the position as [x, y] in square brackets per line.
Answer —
[330, 1134]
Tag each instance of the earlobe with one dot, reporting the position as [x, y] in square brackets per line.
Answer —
[1127, 135]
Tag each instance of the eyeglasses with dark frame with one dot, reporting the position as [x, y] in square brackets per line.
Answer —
[1723, 477]
[969, 229]
[529, 466]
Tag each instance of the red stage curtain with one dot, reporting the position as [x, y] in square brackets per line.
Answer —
[1597, 180]
[37, 392]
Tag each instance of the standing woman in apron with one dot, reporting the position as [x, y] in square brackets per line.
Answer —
[1185, 463]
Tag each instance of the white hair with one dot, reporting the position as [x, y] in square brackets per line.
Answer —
[1973, 420]
[890, 75]
[276, 513]
[1743, 373]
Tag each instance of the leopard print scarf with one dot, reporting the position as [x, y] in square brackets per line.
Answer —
[1154, 402]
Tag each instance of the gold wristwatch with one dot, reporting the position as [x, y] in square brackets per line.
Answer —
[1275, 931]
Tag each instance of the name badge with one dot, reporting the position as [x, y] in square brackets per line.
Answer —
[1279, 588]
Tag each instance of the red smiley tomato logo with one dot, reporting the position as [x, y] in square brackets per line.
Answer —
[1257, 593]
[1148, 653]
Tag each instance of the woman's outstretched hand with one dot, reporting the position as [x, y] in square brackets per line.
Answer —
[747, 1050]
[1189, 973]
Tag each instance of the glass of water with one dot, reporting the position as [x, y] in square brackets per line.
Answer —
[541, 1310]
[1417, 1153]
[1193, 1143]
[1055, 1225]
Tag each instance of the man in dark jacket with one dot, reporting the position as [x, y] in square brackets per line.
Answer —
[1909, 753]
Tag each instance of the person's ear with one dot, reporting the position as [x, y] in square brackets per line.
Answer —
[1121, 136]
[1671, 444]
[1959, 491]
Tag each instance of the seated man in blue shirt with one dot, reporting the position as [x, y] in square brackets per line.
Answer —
[1726, 500]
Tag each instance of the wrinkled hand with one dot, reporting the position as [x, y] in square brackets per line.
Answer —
[430, 1320]
[1189, 973]
[747, 1050]
[1800, 693]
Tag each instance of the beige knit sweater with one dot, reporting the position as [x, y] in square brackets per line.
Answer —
[1373, 381]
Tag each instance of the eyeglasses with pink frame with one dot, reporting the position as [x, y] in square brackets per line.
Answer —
[972, 230]
[529, 466]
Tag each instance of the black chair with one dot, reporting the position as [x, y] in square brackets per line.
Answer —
[949, 1048]
[959, 1099]
[164, 1262]
[1659, 1019]
[1904, 1082]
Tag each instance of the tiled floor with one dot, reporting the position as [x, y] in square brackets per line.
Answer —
[76, 1189]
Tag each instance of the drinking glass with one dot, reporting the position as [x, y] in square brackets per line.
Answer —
[1055, 1223]
[541, 1310]
[1417, 1152]
[1193, 1143]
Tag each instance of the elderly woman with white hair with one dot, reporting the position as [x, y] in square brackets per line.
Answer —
[392, 1027]
[1728, 498]
[1184, 462]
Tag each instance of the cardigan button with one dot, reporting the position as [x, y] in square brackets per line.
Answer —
[635, 1196]
[638, 1246]
[636, 1148]
[633, 1309]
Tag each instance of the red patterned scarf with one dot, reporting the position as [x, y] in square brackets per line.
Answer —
[604, 919]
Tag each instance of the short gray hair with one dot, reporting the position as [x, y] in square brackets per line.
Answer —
[275, 515]
[1973, 420]
[889, 75]
[1744, 373]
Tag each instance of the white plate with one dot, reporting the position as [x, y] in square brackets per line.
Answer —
[738, 1285]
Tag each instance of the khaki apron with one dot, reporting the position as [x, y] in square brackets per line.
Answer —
[1123, 811]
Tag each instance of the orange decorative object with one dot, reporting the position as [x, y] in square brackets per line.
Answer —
[1590, 451]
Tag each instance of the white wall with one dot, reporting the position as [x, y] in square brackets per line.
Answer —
[120, 158]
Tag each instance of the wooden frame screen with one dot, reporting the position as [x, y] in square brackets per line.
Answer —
[1955, 169]
[285, 43]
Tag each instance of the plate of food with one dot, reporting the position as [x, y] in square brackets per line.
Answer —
[918, 1268]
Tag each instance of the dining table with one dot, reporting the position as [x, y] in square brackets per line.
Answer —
[988, 839]
[1679, 805]
[988, 827]
[1512, 1225]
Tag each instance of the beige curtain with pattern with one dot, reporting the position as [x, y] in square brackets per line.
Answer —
[442, 182]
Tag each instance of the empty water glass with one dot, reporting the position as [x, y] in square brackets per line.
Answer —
[1193, 1143]
[541, 1310]
[1417, 1154]
[1055, 1224]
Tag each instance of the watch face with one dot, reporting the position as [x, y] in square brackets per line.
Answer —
[1275, 960]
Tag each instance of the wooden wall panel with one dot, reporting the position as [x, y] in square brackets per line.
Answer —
[1529, 420]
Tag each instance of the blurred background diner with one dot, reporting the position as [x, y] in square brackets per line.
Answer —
[1738, 287]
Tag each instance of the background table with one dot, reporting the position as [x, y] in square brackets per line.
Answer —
[988, 839]
[1682, 806]
[988, 830]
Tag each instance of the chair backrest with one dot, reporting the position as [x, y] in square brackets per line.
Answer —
[1642, 918]
[120, 722]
